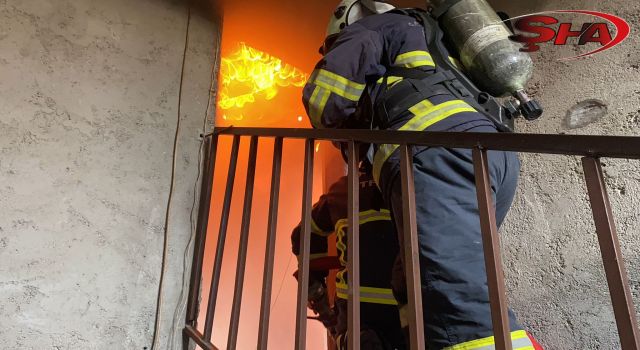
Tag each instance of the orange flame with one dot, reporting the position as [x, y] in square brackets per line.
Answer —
[249, 73]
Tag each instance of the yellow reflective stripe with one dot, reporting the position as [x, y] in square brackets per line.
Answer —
[426, 117]
[368, 294]
[370, 300]
[414, 59]
[456, 63]
[391, 80]
[519, 339]
[317, 102]
[314, 256]
[421, 108]
[364, 217]
[318, 255]
[436, 113]
[341, 247]
[317, 230]
[337, 84]
[340, 276]
[374, 290]
[339, 341]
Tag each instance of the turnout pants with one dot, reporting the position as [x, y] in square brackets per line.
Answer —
[379, 327]
[452, 270]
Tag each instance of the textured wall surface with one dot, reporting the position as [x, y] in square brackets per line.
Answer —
[87, 118]
[554, 269]
[88, 111]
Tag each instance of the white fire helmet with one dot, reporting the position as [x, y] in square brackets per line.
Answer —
[348, 12]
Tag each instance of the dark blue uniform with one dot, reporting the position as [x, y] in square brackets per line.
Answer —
[380, 320]
[344, 92]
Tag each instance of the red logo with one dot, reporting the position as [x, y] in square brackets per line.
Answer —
[538, 28]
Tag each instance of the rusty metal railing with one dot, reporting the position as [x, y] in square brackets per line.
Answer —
[591, 148]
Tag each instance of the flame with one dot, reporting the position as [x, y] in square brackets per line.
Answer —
[249, 73]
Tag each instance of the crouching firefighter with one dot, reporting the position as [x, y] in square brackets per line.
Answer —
[380, 323]
[385, 68]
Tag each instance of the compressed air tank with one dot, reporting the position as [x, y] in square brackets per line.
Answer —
[489, 57]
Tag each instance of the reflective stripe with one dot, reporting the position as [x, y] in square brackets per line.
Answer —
[426, 117]
[421, 108]
[414, 59]
[314, 256]
[391, 80]
[337, 84]
[368, 294]
[317, 102]
[403, 313]
[456, 63]
[365, 217]
[318, 231]
[340, 276]
[318, 256]
[339, 341]
[519, 339]
[343, 224]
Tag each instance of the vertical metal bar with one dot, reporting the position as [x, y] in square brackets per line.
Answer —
[611, 255]
[222, 235]
[244, 243]
[210, 148]
[305, 243]
[411, 254]
[267, 280]
[353, 250]
[492, 257]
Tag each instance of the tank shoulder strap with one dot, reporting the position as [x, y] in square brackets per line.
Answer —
[437, 12]
[480, 100]
[460, 85]
[433, 35]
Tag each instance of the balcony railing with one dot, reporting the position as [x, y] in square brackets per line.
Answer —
[590, 148]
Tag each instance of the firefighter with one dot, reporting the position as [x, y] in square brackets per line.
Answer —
[380, 323]
[377, 73]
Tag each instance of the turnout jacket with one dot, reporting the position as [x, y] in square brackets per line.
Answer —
[378, 240]
[346, 86]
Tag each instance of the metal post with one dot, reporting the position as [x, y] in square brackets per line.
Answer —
[267, 280]
[492, 257]
[222, 235]
[611, 255]
[305, 244]
[353, 250]
[411, 254]
[234, 323]
[191, 332]
[206, 186]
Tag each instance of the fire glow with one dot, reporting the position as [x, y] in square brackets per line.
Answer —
[248, 75]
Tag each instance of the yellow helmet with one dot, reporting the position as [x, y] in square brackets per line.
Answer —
[348, 12]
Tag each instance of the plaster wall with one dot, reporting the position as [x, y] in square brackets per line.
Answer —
[554, 269]
[89, 96]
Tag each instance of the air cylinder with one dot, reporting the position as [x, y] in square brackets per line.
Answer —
[490, 58]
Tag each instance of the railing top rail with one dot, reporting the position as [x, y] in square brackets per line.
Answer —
[578, 145]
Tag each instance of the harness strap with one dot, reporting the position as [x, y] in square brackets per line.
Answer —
[417, 86]
[456, 83]
[442, 9]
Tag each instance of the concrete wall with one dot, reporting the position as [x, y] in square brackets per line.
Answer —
[554, 270]
[88, 110]
[87, 120]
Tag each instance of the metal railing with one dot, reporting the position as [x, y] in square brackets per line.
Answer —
[591, 148]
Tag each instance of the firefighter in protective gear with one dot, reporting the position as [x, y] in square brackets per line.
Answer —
[378, 73]
[380, 323]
